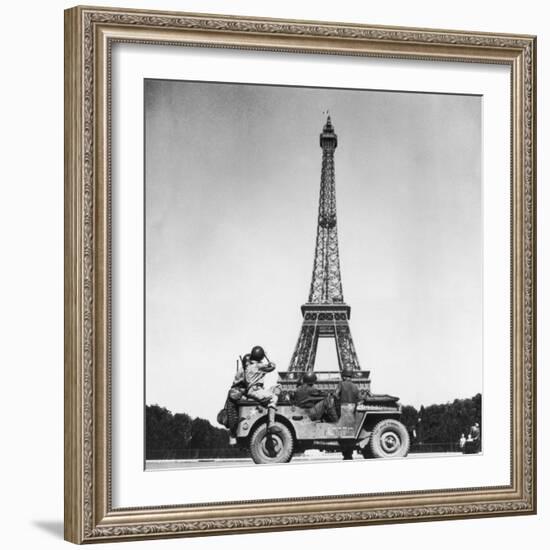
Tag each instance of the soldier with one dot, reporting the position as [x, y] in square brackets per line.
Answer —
[347, 391]
[254, 375]
[319, 404]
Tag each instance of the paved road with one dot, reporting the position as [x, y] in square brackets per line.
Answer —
[225, 462]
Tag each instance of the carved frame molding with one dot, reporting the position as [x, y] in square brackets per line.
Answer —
[89, 35]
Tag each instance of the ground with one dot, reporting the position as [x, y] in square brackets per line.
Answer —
[308, 456]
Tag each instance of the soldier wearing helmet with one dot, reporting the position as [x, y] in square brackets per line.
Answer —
[229, 415]
[319, 404]
[347, 391]
[347, 394]
[255, 373]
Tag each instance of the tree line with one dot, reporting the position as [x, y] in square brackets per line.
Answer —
[171, 436]
[179, 436]
[439, 427]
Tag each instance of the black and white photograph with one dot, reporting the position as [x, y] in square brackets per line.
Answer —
[300, 275]
[313, 274]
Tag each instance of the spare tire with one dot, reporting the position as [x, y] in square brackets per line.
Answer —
[273, 448]
[232, 416]
[389, 439]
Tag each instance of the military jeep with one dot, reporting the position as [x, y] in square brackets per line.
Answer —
[371, 427]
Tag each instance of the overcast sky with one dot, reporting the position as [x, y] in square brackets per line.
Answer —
[232, 186]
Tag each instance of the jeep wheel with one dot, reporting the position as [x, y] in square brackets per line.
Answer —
[273, 448]
[389, 439]
[366, 452]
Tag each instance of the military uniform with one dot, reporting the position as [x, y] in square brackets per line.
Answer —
[238, 387]
[347, 392]
[318, 404]
[254, 374]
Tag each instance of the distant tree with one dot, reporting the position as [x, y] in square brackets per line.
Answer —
[158, 430]
[445, 423]
[409, 417]
[181, 431]
[178, 435]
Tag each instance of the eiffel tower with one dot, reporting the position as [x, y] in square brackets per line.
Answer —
[325, 315]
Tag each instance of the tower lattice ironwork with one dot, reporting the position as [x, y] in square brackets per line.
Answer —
[325, 315]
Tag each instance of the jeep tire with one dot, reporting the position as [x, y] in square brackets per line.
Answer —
[389, 439]
[366, 451]
[273, 448]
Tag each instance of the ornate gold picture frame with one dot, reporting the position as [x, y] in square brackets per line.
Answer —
[90, 34]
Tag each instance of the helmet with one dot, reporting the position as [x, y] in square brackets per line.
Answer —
[246, 359]
[309, 378]
[347, 373]
[257, 353]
